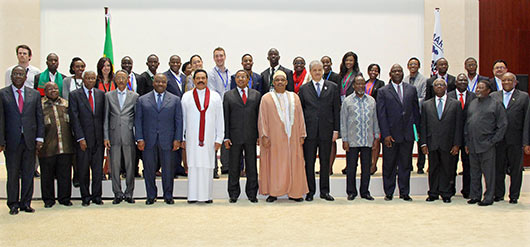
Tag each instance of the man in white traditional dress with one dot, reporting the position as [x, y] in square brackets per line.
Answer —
[203, 134]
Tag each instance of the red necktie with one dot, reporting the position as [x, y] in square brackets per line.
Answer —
[91, 100]
[20, 101]
[462, 100]
[244, 97]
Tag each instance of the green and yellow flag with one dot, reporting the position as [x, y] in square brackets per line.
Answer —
[107, 51]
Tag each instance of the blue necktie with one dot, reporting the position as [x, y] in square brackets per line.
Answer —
[506, 100]
[120, 99]
[440, 108]
[159, 102]
[318, 89]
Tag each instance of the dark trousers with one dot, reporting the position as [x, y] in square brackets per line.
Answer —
[90, 160]
[310, 154]
[151, 158]
[466, 177]
[397, 160]
[509, 159]
[352, 157]
[179, 169]
[441, 173]
[251, 188]
[20, 162]
[482, 163]
[420, 163]
[60, 167]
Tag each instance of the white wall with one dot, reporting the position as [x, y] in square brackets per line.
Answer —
[384, 32]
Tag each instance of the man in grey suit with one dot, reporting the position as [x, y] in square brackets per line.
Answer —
[118, 134]
[24, 135]
[441, 138]
[416, 79]
[485, 126]
[158, 122]
[509, 151]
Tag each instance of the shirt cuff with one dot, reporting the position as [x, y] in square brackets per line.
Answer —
[39, 139]
[81, 139]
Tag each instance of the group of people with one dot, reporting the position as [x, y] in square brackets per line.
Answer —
[177, 122]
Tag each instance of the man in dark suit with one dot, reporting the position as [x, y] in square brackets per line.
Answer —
[441, 67]
[255, 79]
[274, 60]
[24, 133]
[441, 138]
[472, 76]
[145, 82]
[158, 122]
[241, 108]
[509, 151]
[500, 67]
[50, 74]
[397, 112]
[321, 105]
[464, 97]
[175, 84]
[87, 112]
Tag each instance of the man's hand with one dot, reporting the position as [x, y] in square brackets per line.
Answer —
[526, 150]
[425, 150]
[82, 145]
[107, 144]
[376, 143]
[335, 136]
[346, 146]
[141, 145]
[217, 146]
[388, 141]
[467, 150]
[176, 145]
[257, 142]
[302, 139]
[265, 141]
[454, 150]
[38, 146]
[228, 143]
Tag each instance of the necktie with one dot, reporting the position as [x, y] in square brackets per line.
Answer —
[506, 100]
[399, 93]
[159, 101]
[20, 101]
[129, 85]
[244, 97]
[121, 99]
[91, 100]
[318, 89]
[440, 108]
[462, 100]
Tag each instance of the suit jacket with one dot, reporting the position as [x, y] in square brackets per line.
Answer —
[442, 133]
[517, 115]
[257, 81]
[396, 118]
[241, 120]
[31, 120]
[266, 85]
[334, 77]
[493, 85]
[67, 82]
[2, 124]
[144, 84]
[321, 114]
[119, 122]
[164, 125]
[172, 84]
[85, 123]
[420, 83]
[429, 90]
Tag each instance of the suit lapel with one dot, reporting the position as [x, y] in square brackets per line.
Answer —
[84, 98]
[151, 99]
[27, 98]
[513, 99]
[165, 101]
[393, 92]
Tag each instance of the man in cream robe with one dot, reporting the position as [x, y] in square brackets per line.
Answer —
[201, 148]
[282, 132]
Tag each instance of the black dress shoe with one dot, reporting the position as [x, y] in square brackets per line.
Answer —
[66, 203]
[485, 203]
[446, 200]
[271, 199]
[85, 203]
[498, 199]
[129, 200]
[473, 201]
[191, 202]
[169, 201]
[253, 199]
[309, 198]
[513, 201]
[327, 197]
[215, 175]
[13, 211]
[232, 200]
[116, 200]
[296, 199]
[420, 171]
[388, 198]
[351, 197]
[150, 201]
[28, 210]
[97, 201]
[48, 204]
[431, 199]
[344, 171]
[406, 198]
[368, 197]
[209, 202]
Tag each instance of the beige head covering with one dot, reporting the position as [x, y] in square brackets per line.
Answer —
[279, 73]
